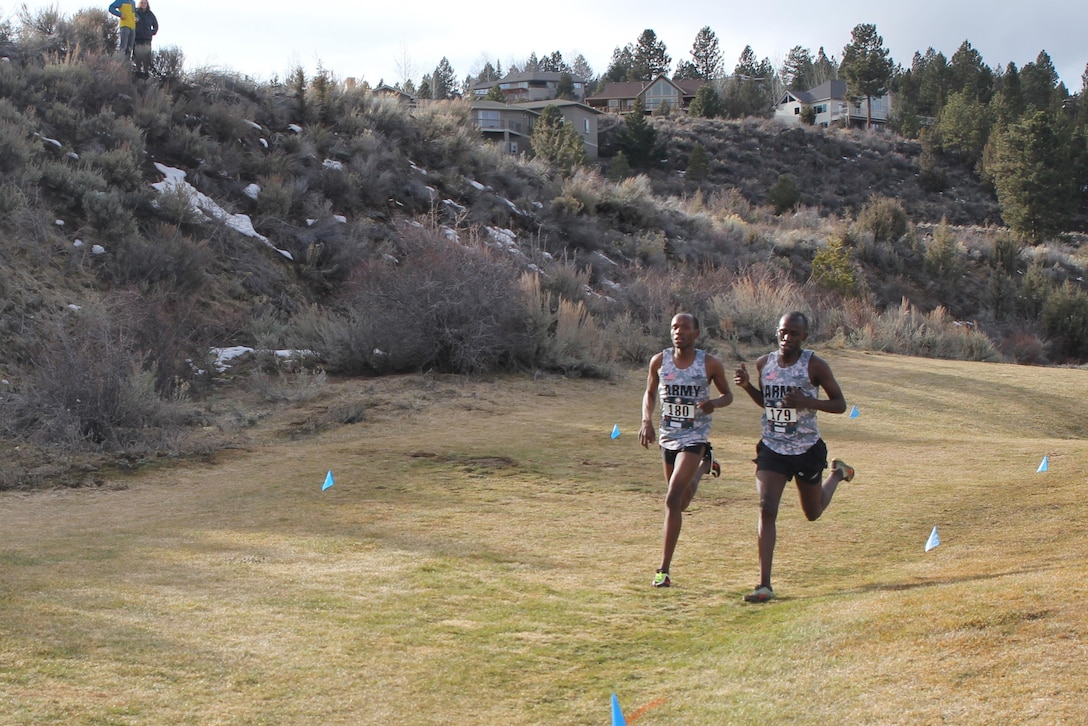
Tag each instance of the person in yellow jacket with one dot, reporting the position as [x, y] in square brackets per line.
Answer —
[126, 11]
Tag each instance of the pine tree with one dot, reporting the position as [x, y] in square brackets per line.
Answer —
[698, 164]
[964, 125]
[1038, 81]
[565, 87]
[969, 73]
[707, 103]
[1034, 178]
[866, 66]
[706, 55]
[619, 168]
[784, 196]
[637, 139]
[798, 69]
[620, 65]
[443, 81]
[649, 58]
[823, 68]
[581, 69]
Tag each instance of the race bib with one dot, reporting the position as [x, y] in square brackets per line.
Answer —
[781, 415]
[678, 413]
[781, 420]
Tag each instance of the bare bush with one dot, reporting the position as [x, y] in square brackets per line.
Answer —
[91, 387]
[906, 330]
[750, 310]
[441, 305]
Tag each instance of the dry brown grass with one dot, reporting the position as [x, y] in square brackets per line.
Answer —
[485, 557]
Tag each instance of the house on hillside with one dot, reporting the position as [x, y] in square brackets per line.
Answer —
[579, 115]
[832, 105]
[505, 124]
[529, 86]
[621, 97]
[396, 94]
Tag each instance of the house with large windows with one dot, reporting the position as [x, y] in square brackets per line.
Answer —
[831, 105]
[531, 86]
[655, 94]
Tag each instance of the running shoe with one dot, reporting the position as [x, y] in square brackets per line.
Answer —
[661, 579]
[763, 593]
[843, 468]
[715, 468]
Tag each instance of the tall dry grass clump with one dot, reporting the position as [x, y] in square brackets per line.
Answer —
[907, 330]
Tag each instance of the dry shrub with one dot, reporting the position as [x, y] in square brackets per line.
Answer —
[626, 341]
[631, 203]
[92, 387]
[884, 218]
[440, 305]
[581, 192]
[906, 330]
[750, 310]
[562, 334]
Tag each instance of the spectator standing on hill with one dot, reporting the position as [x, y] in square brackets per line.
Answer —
[790, 380]
[147, 25]
[680, 377]
[126, 11]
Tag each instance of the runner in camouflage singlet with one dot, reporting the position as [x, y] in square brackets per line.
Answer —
[788, 430]
[681, 391]
[679, 378]
[790, 380]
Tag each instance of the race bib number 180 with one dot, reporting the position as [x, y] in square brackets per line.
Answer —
[679, 410]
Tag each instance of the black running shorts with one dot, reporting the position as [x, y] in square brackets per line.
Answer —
[808, 467]
[669, 455]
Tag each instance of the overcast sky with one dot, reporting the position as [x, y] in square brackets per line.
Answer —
[389, 41]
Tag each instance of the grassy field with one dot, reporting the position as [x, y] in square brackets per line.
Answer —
[485, 555]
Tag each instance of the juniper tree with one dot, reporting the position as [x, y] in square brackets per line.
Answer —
[556, 142]
[637, 139]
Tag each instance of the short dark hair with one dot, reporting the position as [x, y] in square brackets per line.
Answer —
[694, 320]
[799, 316]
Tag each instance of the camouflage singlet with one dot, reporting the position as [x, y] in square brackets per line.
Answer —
[788, 431]
[680, 392]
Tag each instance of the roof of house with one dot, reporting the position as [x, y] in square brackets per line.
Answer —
[691, 86]
[390, 90]
[631, 89]
[833, 90]
[621, 89]
[536, 105]
[546, 76]
[500, 106]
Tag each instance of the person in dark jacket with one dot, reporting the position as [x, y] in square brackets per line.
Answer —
[147, 25]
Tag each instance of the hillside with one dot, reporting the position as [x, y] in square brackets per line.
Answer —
[149, 221]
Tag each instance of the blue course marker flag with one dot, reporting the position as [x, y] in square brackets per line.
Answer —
[328, 481]
[1043, 466]
[617, 714]
[615, 431]
[933, 540]
[854, 412]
